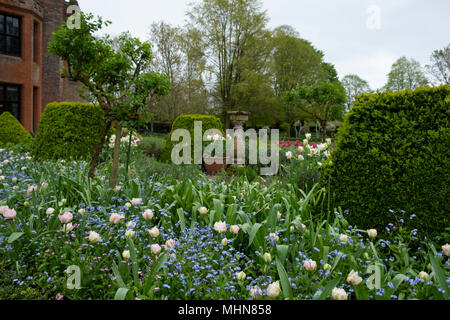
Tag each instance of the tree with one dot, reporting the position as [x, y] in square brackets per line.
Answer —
[354, 86]
[179, 53]
[440, 66]
[232, 30]
[114, 75]
[324, 102]
[406, 74]
[294, 62]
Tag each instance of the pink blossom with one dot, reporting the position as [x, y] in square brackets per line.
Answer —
[10, 214]
[59, 296]
[66, 218]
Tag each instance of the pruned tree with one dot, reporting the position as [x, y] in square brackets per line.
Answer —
[114, 75]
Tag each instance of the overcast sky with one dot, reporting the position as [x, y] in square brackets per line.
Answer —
[363, 37]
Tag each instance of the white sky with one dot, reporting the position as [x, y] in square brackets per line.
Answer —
[347, 31]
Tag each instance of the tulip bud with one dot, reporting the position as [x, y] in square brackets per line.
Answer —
[156, 248]
[423, 275]
[339, 294]
[126, 254]
[273, 290]
[234, 230]
[154, 232]
[241, 276]
[94, 237]
[372, 233]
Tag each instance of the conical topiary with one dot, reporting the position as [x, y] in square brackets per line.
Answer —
[11, 130]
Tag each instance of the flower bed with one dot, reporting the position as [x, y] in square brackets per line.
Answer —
[185, 237]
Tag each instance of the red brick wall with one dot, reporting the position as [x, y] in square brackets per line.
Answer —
[24, 71]
[41, 78]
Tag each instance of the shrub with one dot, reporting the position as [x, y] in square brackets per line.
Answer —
[185, 121]
[11, 130]
[152, 146]
[392, 153]
[68, 130]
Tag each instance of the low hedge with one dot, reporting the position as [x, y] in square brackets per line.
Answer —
[186, 121]
[68, 130]
[11, 130]
[392, 155]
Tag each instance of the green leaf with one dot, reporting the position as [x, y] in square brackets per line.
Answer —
[162, 259]
[180, 213]
[272, 219]
[252, 233]
[327, 291]
[285, 285]
[397, 281]
[121, 294]
[14, 236]
[282, 251]
[116, 272]
[439, 275]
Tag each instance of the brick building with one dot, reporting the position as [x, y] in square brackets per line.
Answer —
[30, 78]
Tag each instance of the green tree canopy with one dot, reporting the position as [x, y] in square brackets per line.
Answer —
[354, 86]
[325, 102]
[406, 74]
[440, 66]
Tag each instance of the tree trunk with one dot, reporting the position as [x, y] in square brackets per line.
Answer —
[324, 128]
[98, 150]
[115, 164]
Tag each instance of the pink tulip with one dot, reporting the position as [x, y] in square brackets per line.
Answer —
[10, 214]
[66, 218]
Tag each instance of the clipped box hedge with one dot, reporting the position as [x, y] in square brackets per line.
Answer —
[186, 121]
[392, 153]
[11, 130]
[68, 130]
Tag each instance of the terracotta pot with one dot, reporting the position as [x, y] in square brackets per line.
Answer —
[214, 168]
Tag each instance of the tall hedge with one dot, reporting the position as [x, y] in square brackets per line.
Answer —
[11, 130]
[186, 121]
[392, 153]
[68, 130]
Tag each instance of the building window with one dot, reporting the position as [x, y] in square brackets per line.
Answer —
[35, 42]
[10, 43]
[10, 99]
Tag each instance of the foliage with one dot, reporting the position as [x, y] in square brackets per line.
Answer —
[187, 122]
[392, 154]
[325, 102]
[272, 230]
[152, 146]
[180, 54]
[236, 41]
[11, 288]
[406, 74]
[115, 75]
[440, 66]
[354, 86]
[11, 130]
[68, 130]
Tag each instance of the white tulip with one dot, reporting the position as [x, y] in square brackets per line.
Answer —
[339, 294]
